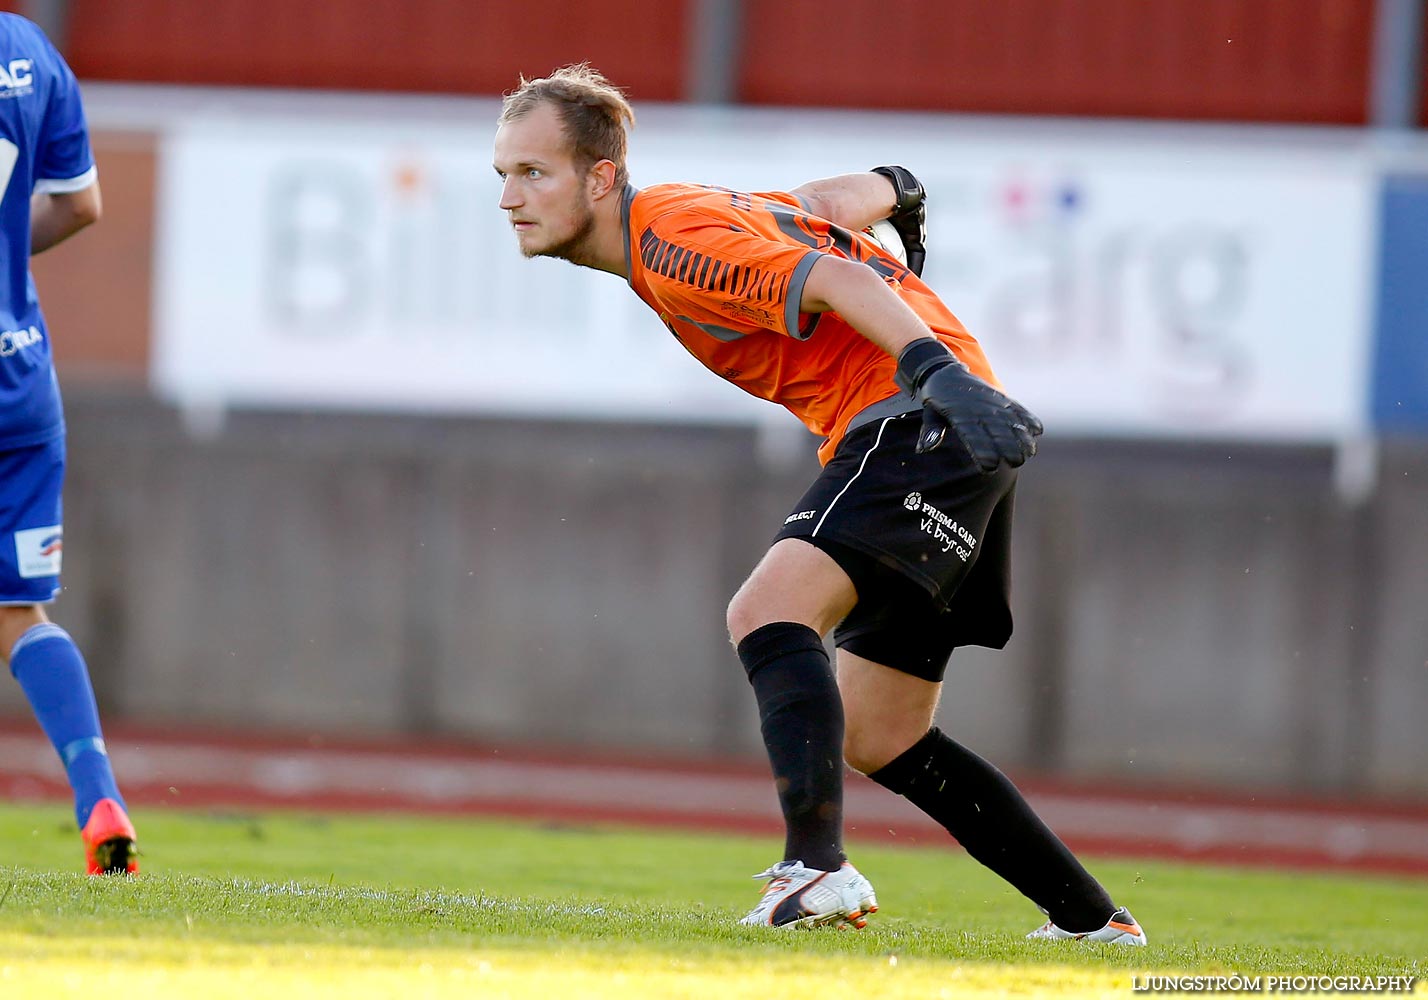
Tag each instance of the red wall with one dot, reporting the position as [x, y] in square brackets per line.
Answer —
[1248, 60]
[1423, 82]
[1256, 60]
[454, 46]
[95, 286]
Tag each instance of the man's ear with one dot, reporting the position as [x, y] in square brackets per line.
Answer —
[601, 179]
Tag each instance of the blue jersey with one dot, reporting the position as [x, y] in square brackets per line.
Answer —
[44, 146]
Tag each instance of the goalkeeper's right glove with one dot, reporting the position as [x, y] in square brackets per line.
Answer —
[909, 214]
[993, 427]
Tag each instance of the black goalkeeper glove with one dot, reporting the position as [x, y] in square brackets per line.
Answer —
[993, 427]
[909, 215]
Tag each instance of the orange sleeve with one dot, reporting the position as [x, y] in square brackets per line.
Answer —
[724, 278]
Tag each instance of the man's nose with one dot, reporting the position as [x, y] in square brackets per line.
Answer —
[510, 194]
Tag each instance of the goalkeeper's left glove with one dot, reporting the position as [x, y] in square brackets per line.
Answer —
[909, 214]
[993, 427]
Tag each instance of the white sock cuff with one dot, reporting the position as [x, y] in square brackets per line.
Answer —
[34, 634]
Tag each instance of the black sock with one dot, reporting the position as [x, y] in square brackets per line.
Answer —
[981, 808]
[801, 717]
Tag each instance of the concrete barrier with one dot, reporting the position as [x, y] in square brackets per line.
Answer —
[1201, 613]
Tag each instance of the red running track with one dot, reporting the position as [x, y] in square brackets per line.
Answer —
[203, 770]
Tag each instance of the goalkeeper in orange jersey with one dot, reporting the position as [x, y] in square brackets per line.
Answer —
[900, 547]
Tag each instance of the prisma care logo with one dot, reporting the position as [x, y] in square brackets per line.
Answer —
[945, 530]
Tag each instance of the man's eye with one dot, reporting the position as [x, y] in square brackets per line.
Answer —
[532, 173]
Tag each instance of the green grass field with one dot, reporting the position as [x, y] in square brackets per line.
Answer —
[279, 905]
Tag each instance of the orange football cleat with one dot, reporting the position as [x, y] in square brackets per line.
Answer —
[1120, 929]
[109, 841]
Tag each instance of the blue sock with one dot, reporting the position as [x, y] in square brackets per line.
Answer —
[53, 676]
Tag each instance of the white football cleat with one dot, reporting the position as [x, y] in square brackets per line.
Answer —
[806, 897]
[1120, 929]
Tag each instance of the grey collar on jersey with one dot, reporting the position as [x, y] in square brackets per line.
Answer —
[626, 200]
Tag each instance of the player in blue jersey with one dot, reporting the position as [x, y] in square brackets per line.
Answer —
[51, 191]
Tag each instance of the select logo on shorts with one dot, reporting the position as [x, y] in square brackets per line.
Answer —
[38, 551]
[803, 515]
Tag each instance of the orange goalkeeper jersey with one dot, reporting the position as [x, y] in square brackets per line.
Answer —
[725, 271]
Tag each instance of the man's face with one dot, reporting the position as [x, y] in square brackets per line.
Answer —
[543, 191]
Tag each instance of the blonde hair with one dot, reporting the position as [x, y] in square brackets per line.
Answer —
[594, 112]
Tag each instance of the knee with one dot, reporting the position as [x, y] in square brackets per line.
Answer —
[741, 616]
[869, 748]
[863, 754]
[15, 621]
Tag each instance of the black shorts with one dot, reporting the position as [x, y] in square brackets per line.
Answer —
[926, 540]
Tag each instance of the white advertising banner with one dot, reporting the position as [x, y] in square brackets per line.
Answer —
[1125, 280]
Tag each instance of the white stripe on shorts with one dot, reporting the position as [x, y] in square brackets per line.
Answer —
[862, 465]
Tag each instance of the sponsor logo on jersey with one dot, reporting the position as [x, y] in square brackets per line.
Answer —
[38, 551]
[803, 515]
[913, 501]
[14, 341]
[17, 78]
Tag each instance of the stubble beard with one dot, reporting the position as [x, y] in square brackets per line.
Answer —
[573, 247]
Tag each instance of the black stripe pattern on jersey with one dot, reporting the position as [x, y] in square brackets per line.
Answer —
[700, 270]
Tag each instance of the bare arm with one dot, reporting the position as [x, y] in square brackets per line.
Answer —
[853, 201]
[55, 217]
[858, 294]
[990, 426]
